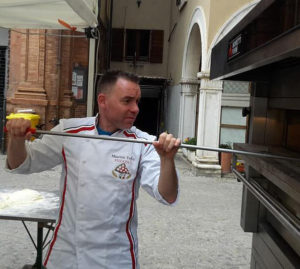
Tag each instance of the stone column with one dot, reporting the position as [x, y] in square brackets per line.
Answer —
[206, 162]
[188, 107]
[27, 72]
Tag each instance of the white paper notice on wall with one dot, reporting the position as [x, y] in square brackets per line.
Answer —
[75, 91]
[79, 80]
[74, 78]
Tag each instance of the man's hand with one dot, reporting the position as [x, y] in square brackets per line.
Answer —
[16, 152]
[17, 129]
[167, 146]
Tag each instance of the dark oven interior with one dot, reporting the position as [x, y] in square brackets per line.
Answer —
[274, 127]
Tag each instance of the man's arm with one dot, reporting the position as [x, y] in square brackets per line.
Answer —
[166, 147]
[16, 151]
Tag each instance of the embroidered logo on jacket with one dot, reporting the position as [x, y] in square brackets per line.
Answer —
[121, 172]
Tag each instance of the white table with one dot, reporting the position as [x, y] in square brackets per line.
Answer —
[43, 211]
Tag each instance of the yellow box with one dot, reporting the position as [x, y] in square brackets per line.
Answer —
[34, 118]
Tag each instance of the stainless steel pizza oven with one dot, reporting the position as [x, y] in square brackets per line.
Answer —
[265, 48]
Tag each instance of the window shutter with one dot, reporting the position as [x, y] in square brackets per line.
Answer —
[157, 46]
[117, 44]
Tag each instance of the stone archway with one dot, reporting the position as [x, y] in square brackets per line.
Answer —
[192, 63]
[201, 95]
[190, 86]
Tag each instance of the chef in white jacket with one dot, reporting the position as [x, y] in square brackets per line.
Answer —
[97, 222]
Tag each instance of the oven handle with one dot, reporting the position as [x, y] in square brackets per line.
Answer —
[282, 214]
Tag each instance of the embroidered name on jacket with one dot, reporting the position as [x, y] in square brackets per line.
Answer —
[121, 172]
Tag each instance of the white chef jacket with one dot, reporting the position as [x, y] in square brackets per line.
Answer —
[97, 222]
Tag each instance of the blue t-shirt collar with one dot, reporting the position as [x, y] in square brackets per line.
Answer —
[102, 132]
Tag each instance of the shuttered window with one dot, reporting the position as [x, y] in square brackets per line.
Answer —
[157, 42]
[138, 45]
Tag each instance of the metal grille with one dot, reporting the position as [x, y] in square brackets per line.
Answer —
[3, 81]
[236, 87]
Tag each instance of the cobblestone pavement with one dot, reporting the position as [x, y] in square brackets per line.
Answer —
[201, 231]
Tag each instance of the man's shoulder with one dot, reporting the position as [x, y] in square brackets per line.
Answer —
[138, 134]
[75, 123]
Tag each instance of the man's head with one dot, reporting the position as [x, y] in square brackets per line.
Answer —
[118, 97]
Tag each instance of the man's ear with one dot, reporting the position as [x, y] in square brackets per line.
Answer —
[101, 99]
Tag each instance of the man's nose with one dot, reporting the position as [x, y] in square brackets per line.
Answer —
[135, 108]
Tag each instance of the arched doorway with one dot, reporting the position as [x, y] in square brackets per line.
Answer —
[193, 62]
[190, 84]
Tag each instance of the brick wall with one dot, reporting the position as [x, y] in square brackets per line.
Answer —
[40, 74]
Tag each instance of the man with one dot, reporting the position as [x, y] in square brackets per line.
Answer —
[97, 222]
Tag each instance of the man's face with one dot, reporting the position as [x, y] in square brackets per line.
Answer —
[119, 108]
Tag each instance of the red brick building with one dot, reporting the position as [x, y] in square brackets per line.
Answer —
[40, 73]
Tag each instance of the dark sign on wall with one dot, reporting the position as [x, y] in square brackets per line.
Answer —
[235, 47]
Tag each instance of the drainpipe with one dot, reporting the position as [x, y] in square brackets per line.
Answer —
[56, 120]
[91, 77]
[109, 37]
